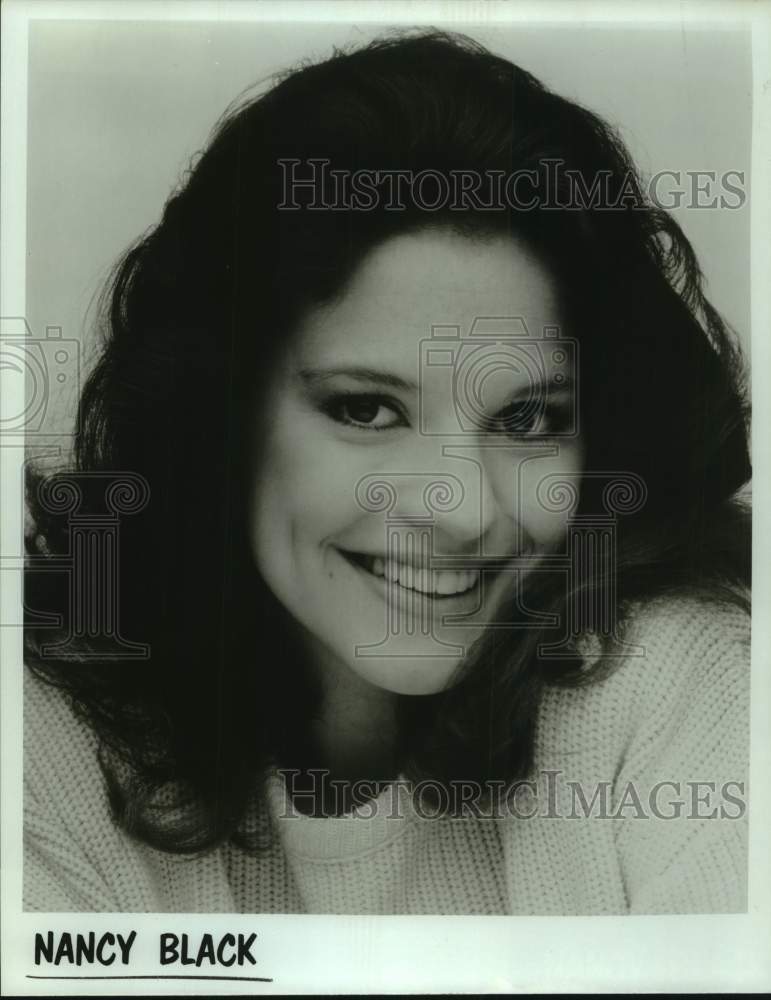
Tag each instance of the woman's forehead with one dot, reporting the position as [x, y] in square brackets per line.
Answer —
[411, 285]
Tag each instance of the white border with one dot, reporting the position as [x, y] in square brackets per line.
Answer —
[428, 954]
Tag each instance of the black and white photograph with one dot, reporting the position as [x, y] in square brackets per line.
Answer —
[382, 479]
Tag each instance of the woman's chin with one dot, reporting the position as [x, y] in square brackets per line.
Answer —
[409, 673]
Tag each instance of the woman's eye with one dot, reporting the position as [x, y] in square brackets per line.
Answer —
[528, 419]
[372, 413]
[516, 418]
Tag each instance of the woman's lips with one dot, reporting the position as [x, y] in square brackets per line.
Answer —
[433, 583]
[460, 586]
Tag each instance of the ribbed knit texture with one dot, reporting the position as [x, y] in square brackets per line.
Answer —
[678, 713]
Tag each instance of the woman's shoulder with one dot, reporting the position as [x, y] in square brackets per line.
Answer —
[76, 857]
[691, 695]
[683, 640]
[657, 741]
[62, 776]
[682, 658]
[673, 640]
[684, 617]
[52, 729]
[66, 813]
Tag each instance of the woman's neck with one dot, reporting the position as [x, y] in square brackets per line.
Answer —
[352, 737]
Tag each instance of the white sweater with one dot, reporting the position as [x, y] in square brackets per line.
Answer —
[678, 714]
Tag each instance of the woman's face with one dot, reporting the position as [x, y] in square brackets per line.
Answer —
[394, 582]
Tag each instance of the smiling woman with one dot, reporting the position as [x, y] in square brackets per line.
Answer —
[441, 545]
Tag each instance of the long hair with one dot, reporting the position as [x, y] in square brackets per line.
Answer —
[193, 321]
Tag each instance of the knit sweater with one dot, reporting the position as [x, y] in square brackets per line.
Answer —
[595, 833]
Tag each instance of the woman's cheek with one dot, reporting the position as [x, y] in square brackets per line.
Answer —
[312, 475]
[547, 493]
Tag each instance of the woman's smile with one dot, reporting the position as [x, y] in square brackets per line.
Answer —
[448, 587]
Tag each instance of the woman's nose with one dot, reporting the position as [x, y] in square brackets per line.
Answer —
[453, 493]
[469, 523]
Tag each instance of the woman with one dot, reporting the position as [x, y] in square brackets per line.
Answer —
[437, 576]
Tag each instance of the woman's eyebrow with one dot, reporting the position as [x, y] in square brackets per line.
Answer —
[359, 374]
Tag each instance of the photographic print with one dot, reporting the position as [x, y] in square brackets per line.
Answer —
[384, 497]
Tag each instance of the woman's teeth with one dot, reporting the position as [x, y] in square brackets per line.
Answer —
[426, 581]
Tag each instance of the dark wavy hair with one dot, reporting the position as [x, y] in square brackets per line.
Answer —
[192, 323]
